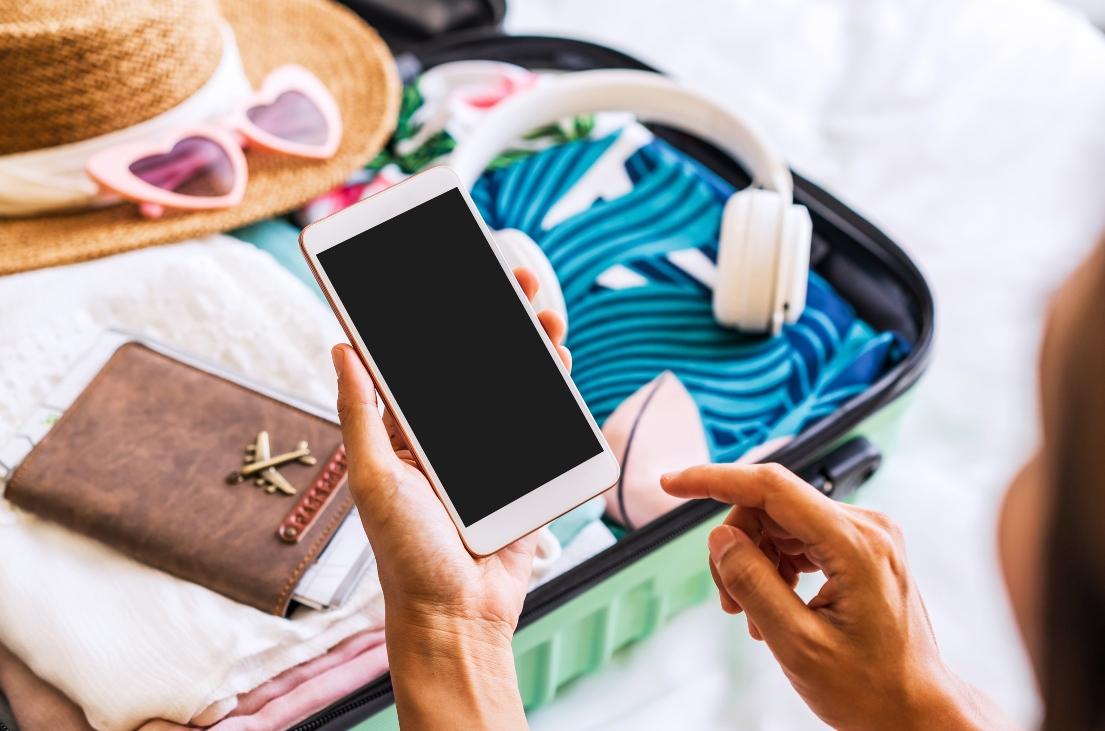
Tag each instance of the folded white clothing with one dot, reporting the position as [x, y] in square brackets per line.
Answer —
[126, 642]
[217, 298]
[592, 539]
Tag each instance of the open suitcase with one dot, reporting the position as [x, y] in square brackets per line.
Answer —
[570, 626]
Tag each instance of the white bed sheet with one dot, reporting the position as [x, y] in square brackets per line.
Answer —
[972, 132]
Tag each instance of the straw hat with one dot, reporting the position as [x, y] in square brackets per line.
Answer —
[81, 69]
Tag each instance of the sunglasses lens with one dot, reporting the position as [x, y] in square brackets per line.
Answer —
[195, 166]
[292, 116]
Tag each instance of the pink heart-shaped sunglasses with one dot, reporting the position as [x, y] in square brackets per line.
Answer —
[203, 167]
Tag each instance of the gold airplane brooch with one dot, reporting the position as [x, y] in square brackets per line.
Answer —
[259, 463]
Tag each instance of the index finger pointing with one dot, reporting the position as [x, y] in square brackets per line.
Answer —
[793, 504]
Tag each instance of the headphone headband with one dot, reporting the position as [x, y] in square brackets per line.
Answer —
[650, 96]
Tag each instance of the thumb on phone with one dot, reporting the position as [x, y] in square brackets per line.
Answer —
[753, 581]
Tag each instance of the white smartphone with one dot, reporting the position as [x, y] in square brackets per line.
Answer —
[460, 359]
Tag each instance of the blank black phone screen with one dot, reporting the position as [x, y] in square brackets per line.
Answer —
[464, 362]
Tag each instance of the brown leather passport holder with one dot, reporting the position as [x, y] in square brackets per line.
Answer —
[140, 462]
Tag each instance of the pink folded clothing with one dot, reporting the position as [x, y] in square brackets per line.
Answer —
[299, 692]
[656, 430]
[314, 695]
[37, 705]
[289, 680]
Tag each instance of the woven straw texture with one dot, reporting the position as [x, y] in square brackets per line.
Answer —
[75, 69]
[326, 38]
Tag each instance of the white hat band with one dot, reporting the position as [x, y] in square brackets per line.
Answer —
[53, 178]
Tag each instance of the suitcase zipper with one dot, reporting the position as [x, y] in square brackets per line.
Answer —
[320, 722]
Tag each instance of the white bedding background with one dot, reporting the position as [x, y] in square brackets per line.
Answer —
[973, 133]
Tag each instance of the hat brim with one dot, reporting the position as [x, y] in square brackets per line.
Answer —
[328, 39]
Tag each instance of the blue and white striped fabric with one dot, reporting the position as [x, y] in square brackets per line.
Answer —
[608, 213]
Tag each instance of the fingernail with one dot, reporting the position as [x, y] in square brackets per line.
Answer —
[338, 357]
[720, 541]
[667, 477]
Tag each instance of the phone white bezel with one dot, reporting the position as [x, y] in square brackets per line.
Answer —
[534, 509]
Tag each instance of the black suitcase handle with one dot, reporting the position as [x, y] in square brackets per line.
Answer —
[839, 472]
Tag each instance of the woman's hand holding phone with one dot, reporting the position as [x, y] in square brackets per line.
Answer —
[861, 653]
[450, 616]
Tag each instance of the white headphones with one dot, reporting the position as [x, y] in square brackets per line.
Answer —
[764, 248]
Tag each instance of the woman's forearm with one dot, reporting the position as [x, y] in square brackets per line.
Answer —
[452, 674]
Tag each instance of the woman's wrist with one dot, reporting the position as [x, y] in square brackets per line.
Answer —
[446, 636]
[973, 709]
[452, 671]
[946, 701]
[914, 700]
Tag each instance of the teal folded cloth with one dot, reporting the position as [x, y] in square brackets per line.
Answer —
[280, 239]
[630, 205]
[568, 526]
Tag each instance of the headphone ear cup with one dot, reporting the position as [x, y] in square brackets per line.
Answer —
[520, 250]
[795, 240]
[747, 261]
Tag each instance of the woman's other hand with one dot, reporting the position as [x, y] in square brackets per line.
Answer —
[861, 653]
[450, 616]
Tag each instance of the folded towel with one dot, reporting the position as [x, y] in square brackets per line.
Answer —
[568, 526]
[592, 539]
[280, 239]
